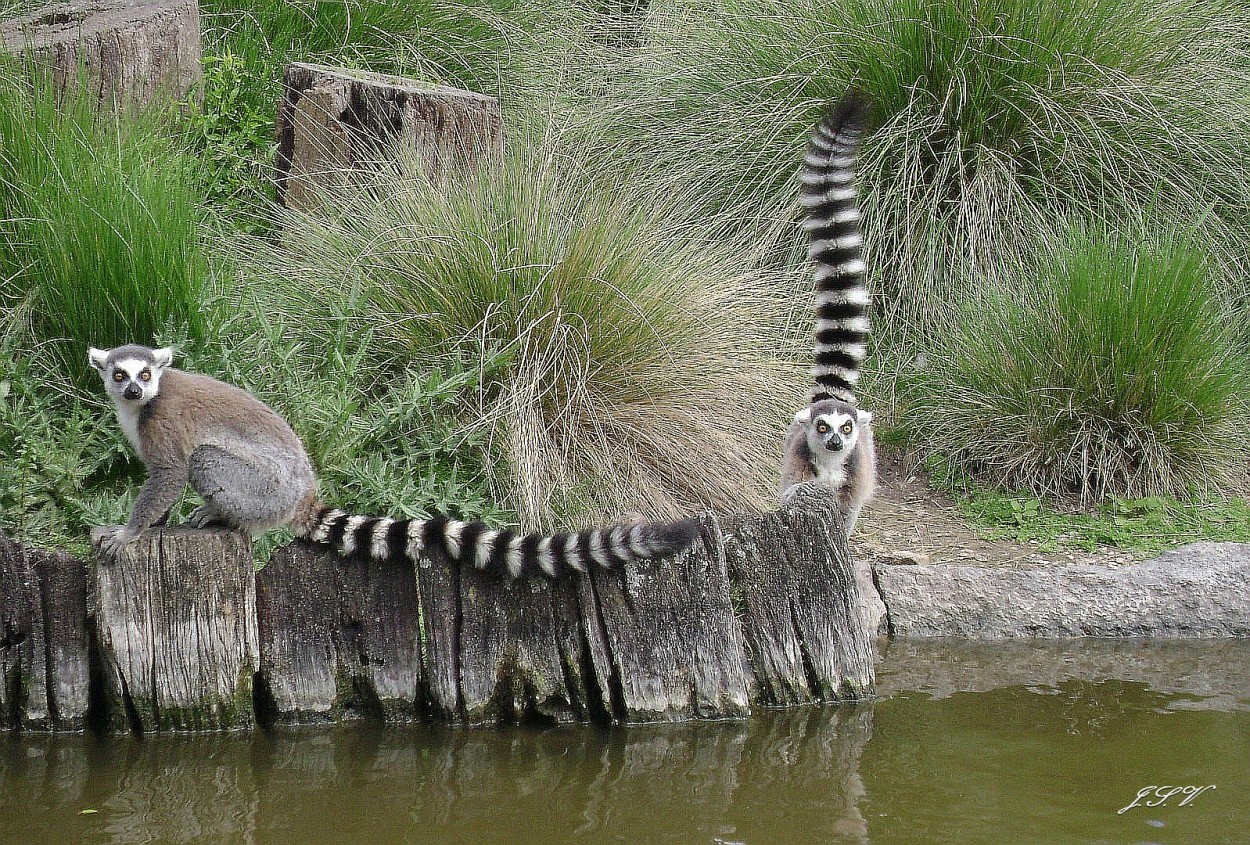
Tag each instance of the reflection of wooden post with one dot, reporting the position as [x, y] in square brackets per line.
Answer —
[333, 121]
[174, 621]
[130, 51]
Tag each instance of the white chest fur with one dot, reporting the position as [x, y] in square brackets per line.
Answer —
[831, 468]
[128, 417]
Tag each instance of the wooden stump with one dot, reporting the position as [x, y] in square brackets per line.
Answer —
[663, 637]
[63, 588]
[761, 612]
[502, 650]
[339, 638]
[800, 617]
[23, 652]
[44, 673]
[173, 620]
[655, 642]
[334, 122]
[126, 51]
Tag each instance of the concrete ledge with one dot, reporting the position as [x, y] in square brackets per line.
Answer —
[1200, 590]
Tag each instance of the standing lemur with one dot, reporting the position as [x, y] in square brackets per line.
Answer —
[830, 440]
[253, 473]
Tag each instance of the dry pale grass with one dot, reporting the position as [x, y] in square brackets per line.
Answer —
[628, 365]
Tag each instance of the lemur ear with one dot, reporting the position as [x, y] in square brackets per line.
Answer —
[163, 357]
[804, 416]
[863, 417]
[97, 358]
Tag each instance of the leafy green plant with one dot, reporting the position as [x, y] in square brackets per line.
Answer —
[1116, 372]
[391, 448]
[233, 133]
[1143, 527]
[383, 436]
[638, 365]
[58, 459]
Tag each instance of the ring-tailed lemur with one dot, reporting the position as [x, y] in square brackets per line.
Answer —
[254, 473]
[830, 440]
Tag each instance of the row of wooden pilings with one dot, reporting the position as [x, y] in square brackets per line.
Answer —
[184, 633]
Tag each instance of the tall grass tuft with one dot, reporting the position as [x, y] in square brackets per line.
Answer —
[98, 222]
[1114, 372]
[633, 367]
[996, 120]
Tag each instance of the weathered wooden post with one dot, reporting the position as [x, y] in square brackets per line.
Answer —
[762, 611]
[664, 637]
[63, 587]
[44, 667]
[23, 654]
[339, 638]
[174, 624]
[333, 122]
[126, 51]
[800, 603]
[502, 650]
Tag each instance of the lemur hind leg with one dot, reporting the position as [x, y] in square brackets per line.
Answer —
[252, 492]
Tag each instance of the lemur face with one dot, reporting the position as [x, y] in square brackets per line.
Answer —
[132, 374]
[832, 425]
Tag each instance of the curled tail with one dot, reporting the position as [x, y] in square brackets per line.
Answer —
[503, 549]
[835, 247]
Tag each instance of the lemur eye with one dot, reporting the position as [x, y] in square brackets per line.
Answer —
[118, 375]
[146, 375]
[822, 427]
[846, 428]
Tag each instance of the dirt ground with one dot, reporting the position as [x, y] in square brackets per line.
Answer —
[909, 522]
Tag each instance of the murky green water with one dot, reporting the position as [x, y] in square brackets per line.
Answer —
[997, 743]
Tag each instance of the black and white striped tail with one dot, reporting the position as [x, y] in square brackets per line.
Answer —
[502, 550]
[835, 247]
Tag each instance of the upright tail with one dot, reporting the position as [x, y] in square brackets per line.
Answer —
[835, 246]
[503, 549]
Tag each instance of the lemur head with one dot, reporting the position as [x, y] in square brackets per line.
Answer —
[131, 373]
[832, 425]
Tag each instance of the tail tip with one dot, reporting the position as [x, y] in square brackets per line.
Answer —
[852, 110]
[675, 537]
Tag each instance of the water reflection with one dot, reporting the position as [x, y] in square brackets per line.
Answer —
[1199, 674]
[999, 743]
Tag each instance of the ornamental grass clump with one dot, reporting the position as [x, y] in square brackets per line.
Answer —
[997, 121]
[628, 366]
[1114, 372]
[99, 215]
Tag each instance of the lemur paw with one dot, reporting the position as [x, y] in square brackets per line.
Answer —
[113, 541]
[204, 517]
